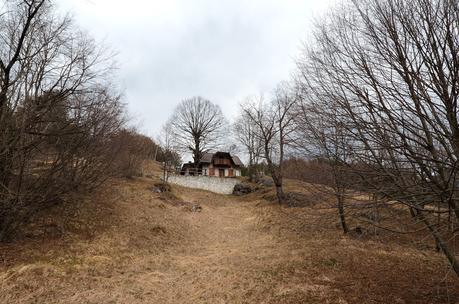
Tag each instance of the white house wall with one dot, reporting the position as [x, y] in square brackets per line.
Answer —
[205, 171]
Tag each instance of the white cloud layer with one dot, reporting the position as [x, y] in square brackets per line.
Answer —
[222, 50]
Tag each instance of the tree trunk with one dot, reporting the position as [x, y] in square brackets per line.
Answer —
[164, 173]
[441, 243]
[280, 194]
[197, 155]
[5, 228]
[279, 189]
[342, 217]
[250, 169]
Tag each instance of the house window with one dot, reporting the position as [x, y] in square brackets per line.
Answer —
[205, 172]
[221, 172]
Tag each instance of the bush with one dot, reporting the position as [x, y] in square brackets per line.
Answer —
[60, 118]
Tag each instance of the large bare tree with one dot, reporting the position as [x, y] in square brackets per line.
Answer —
[274, 128]
[390, 71]
[197, 125]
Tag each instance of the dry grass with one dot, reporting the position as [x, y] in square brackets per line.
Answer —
[360, 269]
[377, 266]
[138, 246]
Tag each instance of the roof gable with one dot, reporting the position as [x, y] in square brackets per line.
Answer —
[207, 158]
[237, 161]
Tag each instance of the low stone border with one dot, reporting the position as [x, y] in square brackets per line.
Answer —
[214, 184]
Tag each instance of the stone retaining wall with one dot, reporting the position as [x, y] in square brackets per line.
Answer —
[213, 184]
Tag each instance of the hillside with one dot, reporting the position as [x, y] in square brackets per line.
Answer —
[129, 244]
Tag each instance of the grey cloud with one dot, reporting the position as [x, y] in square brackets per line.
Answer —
[222, 50]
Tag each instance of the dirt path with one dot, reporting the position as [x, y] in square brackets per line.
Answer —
[225, 258]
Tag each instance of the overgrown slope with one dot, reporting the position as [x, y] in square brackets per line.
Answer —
[129, 244]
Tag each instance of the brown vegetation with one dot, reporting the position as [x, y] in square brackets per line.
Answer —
[378, 101]
[62, 123]
[140, 246]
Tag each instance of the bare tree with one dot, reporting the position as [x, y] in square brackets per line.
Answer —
[59, 113]
[169, 155]
[389, 69]
[245, 130]
[320, 135]
[274, 128]
[198, 126]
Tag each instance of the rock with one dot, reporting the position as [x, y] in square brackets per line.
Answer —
[298, 199]
[266, 182]
[191, 207]
[196, 208]
[158, 229]
[161, 187]
[242, 189]
[359, 230]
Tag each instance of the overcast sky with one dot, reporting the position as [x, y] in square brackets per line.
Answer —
[222, 50]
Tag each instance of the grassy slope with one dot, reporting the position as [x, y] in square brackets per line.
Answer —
[127, 244]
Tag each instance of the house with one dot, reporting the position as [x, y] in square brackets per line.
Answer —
[221, 164]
